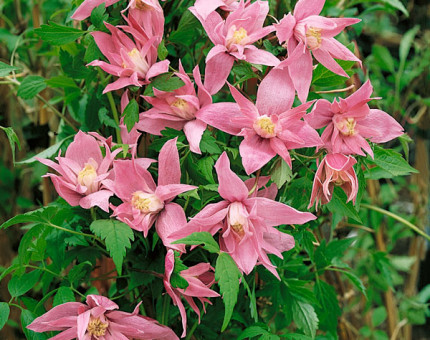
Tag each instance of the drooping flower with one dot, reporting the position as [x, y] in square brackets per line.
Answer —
[199, 277]
[350, 121]
[178, 109]
[306, 31]
[143, 201]
[334, 170]
[133, 62]
[246, 224]
[233, 39]
[98, 319]
[205, 7]
[81, 173]
[269, 128]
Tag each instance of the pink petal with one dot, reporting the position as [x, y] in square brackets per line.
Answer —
[122, 82]
[169, 169]
[255, 152]
[306, 8]
[281, 149]
[221, 116]
[205, 7]
[65, 310]
[386, 126]
[217, 71]
[170, 220]
[158, 68]
[170, 191]
[285, 28]
[83, 148]
[99, 198]
[231, 187]
[321, 114]
[260, 57]
[301, 73]
[85, 9]
[327, 61]
[245, 105]
[194, 131]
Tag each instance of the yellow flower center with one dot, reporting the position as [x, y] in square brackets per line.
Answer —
[347, 127]
[265, 127]
[139, 62]
[313, 37]
[240, 36]
[146, 203]
[238, 228]
[87, 177]
[142, 6]
[180, 104]
[97, 328]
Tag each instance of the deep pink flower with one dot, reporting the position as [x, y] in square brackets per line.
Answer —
[199, 278]
[306, 31]
[82, 172]
[98, 319]
[350, 121]
[205, 7]
[144, 201]
[178, 109]
[133, 62]
[270, 127]
[246, 223]
[233, 39]
[335, 169]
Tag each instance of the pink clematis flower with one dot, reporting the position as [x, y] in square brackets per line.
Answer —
[306, 31]
[178, 109]
[144, 201]
[349, 121]
[199, 278]
[98, 319]
[233, 39]
[205, 7]
[270, 127]
[134, 63]
[335, 169]
[246, 223]
[82, 172]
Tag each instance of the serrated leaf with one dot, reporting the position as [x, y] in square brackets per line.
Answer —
[98, 16]
[63, 295]
[305, 317]
[392, 162]
[106, 119]
[19, 285]
[166, 82]
[204, 238]
[355, 280]
[61, 81]
[131, 114]
[31, 86]
[78, 272]
[253, 331]
[227, 274]
[328, 309]
[206, 166]
[58, 35]
[338, 206]
[4, 314]
[13, 140]
[117, 236]
[5, 69]
[209, 144]
[281, 174]
[40, 215]
[177, 281]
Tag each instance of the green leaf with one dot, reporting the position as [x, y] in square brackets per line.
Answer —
[63, 295]
[281, 174]
[27, 318]
[117, 236]
[406, 43]
[78, 272]
[253, 331]
[227, 274]
[383, 57]
[355, 280]
[391, 161]
[5, 69]
[204, 238]
[243, 71]
[58, 35]
[177, 281]
[338, 206]
[105, 118]
[47, 153]
[19, 285]
[98, 16]
[328, 309]
[397, 4]
[31, 86]
[61, 81]
[206, 166]
[131, 114]
[162, 51]
[166, 82]
[40, 215]
[305, 317]
[378, 316]
[4, 313]
[209, 144]
[13, 139]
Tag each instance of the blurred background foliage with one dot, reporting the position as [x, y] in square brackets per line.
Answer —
[393, 39]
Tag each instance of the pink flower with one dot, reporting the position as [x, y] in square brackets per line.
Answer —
[205, 7]
[82, 172]
[134, 63]
[246, 223]
[199, 278]
[144, 201]
[98, 319]
[178, 110]
[349, 121]
[233, 39]
[335, 169]
[270, 127]
[306, 31]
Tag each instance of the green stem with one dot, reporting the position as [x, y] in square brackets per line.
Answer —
[44, 269]
[93, 214]
[165, 315]
[74, 232]
[15, 305]
[58, 113]
[191, 332]
[398, 218]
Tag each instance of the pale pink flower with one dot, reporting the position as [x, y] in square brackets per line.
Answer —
[350, 121]
[270, 128]
[133, 62]
[199, 277]
[334, 170]
[205, 7]
[233, 39]
[306, 31]
[82, 171]
[98, 319]
[246, 224]
[178, 109]
[143, 201]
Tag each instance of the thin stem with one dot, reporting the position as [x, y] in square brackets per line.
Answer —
[255, 187]
[346, 89]
[166, 306]
[74, 232]
[191, 332]
[398, 218]
[58, 113]
[44, 269]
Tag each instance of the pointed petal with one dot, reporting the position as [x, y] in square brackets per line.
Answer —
[386, 126]
[221, 116]
[231, 187]
[301, 73]
[255, 152]
[194, 131]
[217, 71]
[306, 8]
[327, 61]
[169, 169]
[170, 220]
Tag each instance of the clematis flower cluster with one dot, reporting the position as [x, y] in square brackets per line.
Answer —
[245, 216]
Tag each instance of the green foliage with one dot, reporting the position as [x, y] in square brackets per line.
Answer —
[55, 34]
[31, 86]
[204, 238]
[6, 69]
[4, 313]
[131, 114]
